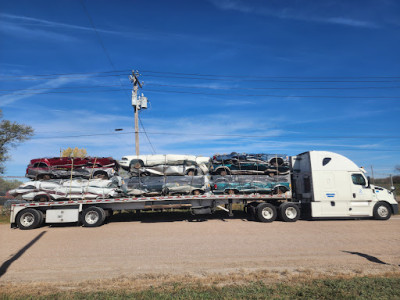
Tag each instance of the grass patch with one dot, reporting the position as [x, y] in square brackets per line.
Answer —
[370, 287]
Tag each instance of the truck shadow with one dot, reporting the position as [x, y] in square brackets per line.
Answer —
[7, 263]
[368, 257]
[173, 216]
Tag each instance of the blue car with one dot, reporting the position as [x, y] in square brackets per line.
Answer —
[247, 164]
[243, 184]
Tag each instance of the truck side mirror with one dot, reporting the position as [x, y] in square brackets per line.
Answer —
[368, 182]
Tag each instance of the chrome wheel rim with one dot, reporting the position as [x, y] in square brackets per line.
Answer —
[92, 217]
[27, 219]
[267, 213]
[291, 212]
[383, 211]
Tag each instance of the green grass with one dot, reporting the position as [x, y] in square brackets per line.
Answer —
[339, 288]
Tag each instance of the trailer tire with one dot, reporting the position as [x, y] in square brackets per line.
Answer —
[289, 212]
[265, 212]
[93, 216]
[382, 211]
[28, 218]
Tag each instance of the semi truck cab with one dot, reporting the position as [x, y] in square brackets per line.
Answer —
[328, 184]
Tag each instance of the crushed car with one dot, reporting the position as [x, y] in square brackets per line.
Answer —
[248, 164]
[64, 167]
[249, 184]
[166, 185]
[169, 165]
[60, 189]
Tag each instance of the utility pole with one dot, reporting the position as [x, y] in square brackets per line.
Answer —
[138, 103]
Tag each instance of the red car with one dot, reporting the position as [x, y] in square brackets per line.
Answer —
[62, 167]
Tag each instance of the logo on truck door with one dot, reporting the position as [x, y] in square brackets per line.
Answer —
[330, 195]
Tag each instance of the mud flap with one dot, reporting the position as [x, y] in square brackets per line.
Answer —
[305, 211]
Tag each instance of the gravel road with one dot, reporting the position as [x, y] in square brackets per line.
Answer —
[176, 246]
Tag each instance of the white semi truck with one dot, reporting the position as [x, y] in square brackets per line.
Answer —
[323, 185]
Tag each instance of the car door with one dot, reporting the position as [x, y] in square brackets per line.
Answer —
[362, 194]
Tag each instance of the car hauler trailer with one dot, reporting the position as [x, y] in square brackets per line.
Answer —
[324, 185]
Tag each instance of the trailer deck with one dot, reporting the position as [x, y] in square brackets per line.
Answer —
[74, 210]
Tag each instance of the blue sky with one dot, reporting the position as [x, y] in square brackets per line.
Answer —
[270, 76]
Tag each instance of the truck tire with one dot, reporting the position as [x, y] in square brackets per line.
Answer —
[41, 221]
[266, 212]
[93, 216]
[28, 218]
[382, 211]
[289, 212]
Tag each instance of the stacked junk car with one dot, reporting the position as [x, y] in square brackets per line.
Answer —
[312, 185]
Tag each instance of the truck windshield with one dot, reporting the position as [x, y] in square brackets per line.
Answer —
[358, 179]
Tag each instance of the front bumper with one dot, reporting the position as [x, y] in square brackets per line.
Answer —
[395, 208]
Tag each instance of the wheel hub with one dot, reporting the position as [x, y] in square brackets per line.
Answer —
[291, 212]
[27, 219]
[383, 211]
[92, 217]
[267, 213]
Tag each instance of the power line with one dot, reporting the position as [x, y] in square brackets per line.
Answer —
[234, 135]
[205, 87]
[212, 94]
[61, 88]
[276, 96]
[62, 74]
[272, 80]
[65, 92]
[123, 71]
[275, 88]
[199, 77]
[97, 35]
[252, 76]
[144, 130]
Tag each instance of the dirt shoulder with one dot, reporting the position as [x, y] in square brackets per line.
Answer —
[154, 251]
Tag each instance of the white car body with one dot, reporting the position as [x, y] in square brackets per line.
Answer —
[165, 159]
[67, 189]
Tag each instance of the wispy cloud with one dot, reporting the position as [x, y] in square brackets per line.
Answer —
[299, 13]
[44, 87]
[33, 28]
[29, 21]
